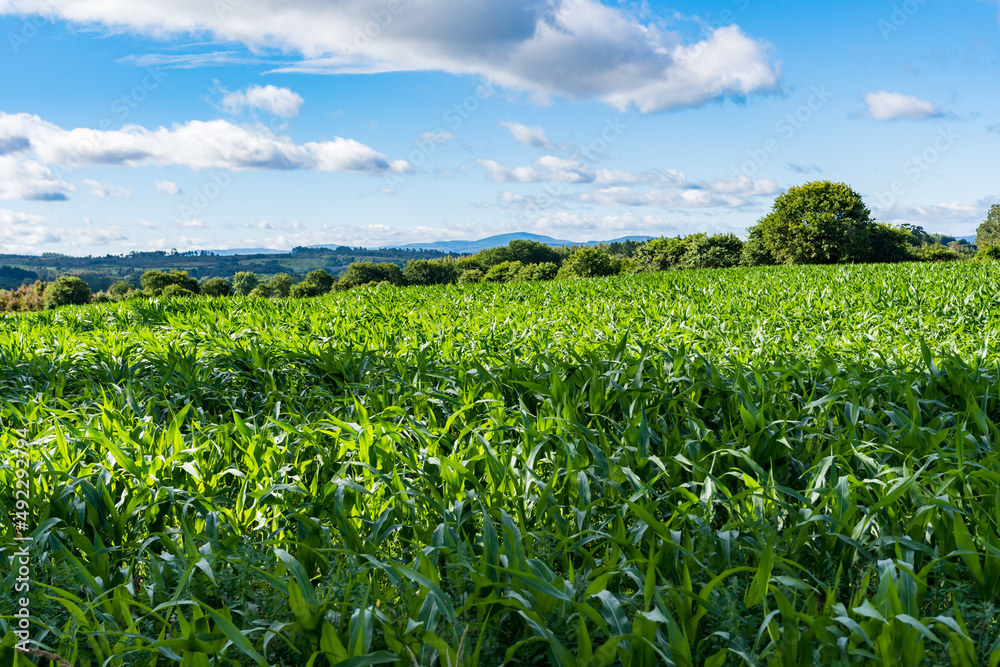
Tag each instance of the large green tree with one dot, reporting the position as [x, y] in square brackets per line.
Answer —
[818, 223]
[989, 232]
[321, 279]
[67, 291]
[157, 281]
[245, 282]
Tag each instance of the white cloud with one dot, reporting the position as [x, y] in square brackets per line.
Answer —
[533, 137]
[666, 188]
[570, 48]
[550, 168]
[547, 168]
[278, 101]
[216, 144]
[101, 190]
[192, 223]
[884, 105]
[955, 218]
[167, 187]
[99, 237]
[438, 137]
[502, 174]
[24, 233]
[27, 179]
[584, 227]
[181, 243]
[718, 194]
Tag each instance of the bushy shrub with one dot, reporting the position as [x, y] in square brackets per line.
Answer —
[217, 287]
[321, 279]
[720, 251]
[261, 292]
[26, 298]
[365, 273]
[155, 282]
[890, 244]
[937, 253]
[306, 290]
[504, 272]
[66, 291]
[471, 276]
[989, 252]
[587, 263]
[175, 291]
[102, 297]
[463, 264]
[426, 272]
[544, 271]
[664, 253]
[280, 285]
[121, 288]
[519, 250]
[245, 282]
[754, 252]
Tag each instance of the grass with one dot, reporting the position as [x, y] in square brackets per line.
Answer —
[763, 467]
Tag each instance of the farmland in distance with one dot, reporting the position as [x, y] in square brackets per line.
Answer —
[753, 466]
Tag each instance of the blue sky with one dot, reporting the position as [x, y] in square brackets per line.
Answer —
[192, 124]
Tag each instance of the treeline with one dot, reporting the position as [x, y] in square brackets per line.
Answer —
[817, 223]
[100, 272]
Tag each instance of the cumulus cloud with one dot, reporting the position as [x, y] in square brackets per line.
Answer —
[666, 188]
[24, 233]
[884, 105]
[570, 48]
[26, 179]
[584, 226]
[167, 187]
[533, 137]
[551, 168]
[956, 218]
[278, 101]
[197, 145]
[717, 194]
[99, 189]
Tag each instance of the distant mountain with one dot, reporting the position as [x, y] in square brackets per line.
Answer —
[249, 251]
[472, 247]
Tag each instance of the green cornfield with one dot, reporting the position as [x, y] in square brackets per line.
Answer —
[787, 466]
